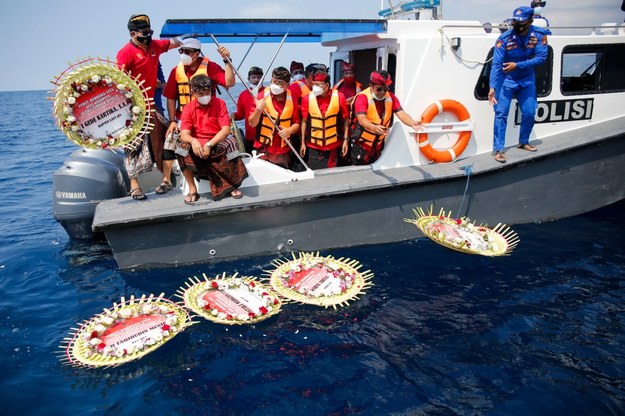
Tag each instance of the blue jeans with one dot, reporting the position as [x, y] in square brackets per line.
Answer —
[526, 97]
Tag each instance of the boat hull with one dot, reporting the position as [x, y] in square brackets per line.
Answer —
[529, 188]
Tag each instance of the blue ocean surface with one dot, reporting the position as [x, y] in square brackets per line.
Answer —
[540, 332]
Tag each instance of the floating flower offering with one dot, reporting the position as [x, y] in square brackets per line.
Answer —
[99, 106]
[126, 332]
[462, 235]
[230, 300]
[317, 280]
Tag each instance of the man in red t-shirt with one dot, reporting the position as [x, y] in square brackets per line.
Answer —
[245, 105]
[205, 125]
[275, 104]
[325, 123]
[373, 116]
[348, 84]
[140, 58]
[177, 92]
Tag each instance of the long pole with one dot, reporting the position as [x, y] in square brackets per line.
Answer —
[248, 51]
[273, 58]
[264, 111]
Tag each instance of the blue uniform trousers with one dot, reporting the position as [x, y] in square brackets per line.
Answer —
[526, 97]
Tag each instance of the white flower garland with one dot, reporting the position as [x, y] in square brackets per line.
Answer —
[80, 80]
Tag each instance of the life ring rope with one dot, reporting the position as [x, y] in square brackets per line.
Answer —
[436, 108]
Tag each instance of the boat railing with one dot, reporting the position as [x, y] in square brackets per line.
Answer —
[411, 8]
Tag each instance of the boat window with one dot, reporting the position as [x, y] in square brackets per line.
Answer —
[591, 69]
[392, 68]
[543, 74]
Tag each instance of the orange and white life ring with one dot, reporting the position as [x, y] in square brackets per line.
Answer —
[448, 155]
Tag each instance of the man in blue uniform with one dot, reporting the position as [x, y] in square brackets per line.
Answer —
[517, 52]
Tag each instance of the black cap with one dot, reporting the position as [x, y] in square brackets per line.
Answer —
[200, 82]
[138, 22]
[255, 71]
[312, 68]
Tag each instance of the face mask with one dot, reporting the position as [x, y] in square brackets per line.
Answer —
[537, 10]
[276, 90]
[375, 97]
[317, 90]
[298, 77]
[146, 40]
[185, 59]
[204, 100]
[520, 27]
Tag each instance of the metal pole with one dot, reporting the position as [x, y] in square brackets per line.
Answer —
[248, 51]
[264, 111]
[273, 58]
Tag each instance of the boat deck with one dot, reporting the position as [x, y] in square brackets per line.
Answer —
[328, 183]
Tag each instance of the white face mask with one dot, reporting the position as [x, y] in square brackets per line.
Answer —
[204, 100]
[298, 77]
[317, 90]
[538, 9]
[276, 90]
[375, 97]
[185, 59]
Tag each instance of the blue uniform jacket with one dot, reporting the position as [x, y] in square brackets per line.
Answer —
[527, 54]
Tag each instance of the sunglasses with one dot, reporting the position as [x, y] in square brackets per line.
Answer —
[187, 51]
[381, 89]
[145, 32]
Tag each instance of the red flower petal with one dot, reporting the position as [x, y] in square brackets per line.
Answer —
[101, 346]
[165, 327]
[214, 284]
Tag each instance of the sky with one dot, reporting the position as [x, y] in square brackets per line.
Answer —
[51, 35]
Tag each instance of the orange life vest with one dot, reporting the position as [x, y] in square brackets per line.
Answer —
[342, 80]
[373, 116]
[184, 93]
[265, 130]
[302, 86]
[322, 129]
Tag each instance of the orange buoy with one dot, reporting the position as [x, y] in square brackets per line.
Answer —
[448, 155]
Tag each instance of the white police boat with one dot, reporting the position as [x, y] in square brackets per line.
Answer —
[579, 132]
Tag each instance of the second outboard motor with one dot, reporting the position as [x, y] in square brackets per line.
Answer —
[87, 177]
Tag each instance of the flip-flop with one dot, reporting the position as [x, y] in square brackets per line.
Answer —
[163, 188]
[527, 147]
[500, 157]
[236, 194]
[138, 196]
[193, 198]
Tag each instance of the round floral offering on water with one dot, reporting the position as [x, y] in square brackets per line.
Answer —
[318, 280]
[461, 235]
[230, 300]
[126, 332]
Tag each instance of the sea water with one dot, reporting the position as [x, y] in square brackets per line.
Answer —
[539, 332]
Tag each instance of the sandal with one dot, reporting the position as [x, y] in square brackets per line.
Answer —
[137, 194]
[500, 157]
[163, 188]
[527, 147]
[236, 194]
[191, 198]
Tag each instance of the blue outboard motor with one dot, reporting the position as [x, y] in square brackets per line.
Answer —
[87, 177]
